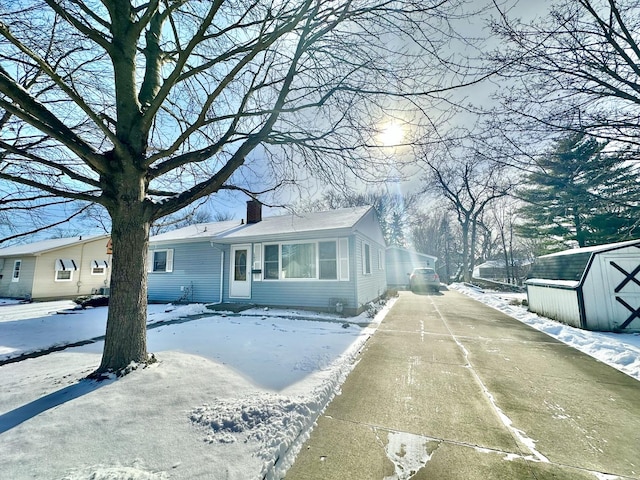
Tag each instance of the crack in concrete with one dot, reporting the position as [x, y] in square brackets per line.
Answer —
[520, 436]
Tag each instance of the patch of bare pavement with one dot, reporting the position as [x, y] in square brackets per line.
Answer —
[449, 388]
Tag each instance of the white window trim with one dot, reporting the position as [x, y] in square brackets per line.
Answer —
[13, 272]
[99, 267]
[169, 264]
[340, 274]
[380, 259]
[70, 279]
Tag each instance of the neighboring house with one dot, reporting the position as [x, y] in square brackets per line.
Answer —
[331, 261]
[400, 263]
[495, 270]
[57, 268]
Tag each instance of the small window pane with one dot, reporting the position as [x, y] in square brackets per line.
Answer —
[328, 260]
[160, 261]
[16, 270]
[271, 264]
[63, 275]
[367, 259]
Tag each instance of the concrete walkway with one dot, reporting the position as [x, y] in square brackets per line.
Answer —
[449, 388]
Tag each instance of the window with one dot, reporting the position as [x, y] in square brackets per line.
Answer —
[64, 275]
[16, 271]
[325, 260]
[298, 260]
[161, 261]
[64, 269]
[328, 260]
[380, 259]
[271, 262]
[99, 267]
[366, 258]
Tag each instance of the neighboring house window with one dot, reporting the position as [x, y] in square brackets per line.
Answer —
[16, 271]
[64, 275]
[64, 269]
[366, 258]
[161, 261]
[324, 260]
[99, 267]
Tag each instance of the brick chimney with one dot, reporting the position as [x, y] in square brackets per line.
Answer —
[254, 211]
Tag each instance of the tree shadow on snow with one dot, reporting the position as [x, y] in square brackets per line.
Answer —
[19, 415]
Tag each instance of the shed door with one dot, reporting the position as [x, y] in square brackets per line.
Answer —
[624, 287]
[240, 284]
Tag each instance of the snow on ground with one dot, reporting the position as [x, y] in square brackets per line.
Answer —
[231, 397]
[620, 350]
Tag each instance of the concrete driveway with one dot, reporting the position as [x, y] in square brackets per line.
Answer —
[449, 388]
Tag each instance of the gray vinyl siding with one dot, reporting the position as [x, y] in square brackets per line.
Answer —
[373, 285]
[24, 287]
[317, 294]
[196, 268]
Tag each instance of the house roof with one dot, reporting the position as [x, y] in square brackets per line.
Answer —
[197, 231]
[37, 248]
[281, 226]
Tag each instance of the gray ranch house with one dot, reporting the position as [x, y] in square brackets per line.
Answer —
[329, 261]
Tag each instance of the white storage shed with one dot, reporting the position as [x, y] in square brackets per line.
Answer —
[594, 288]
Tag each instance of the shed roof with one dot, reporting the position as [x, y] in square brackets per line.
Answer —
[571, 264]
[37, 248]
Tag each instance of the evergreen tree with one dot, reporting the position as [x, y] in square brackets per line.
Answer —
[581, 194]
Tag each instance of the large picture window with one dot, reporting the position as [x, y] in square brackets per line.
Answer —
[302, 261]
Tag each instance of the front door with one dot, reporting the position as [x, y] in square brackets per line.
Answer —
[240, 284]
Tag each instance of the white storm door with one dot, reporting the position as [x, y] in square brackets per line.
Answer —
[240, 284]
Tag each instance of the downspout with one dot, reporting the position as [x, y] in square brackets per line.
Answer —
[79, 282]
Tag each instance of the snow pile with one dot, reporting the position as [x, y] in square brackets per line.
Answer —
[620, 350]
[234, 394]
[408, 453]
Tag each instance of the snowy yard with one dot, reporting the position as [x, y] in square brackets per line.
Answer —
[232, 397]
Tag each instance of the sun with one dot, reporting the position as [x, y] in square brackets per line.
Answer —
[391, 135]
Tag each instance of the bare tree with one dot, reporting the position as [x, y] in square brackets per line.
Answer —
[576, 68]
[145, 107]
[469, 183]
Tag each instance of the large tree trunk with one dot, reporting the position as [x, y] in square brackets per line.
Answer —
[126, 336]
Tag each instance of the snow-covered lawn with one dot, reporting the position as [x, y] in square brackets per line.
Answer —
[231, 397]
